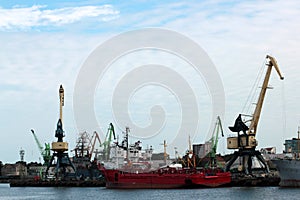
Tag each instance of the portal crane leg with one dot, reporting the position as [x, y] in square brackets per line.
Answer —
[262, 160]
[63, 161]
[232, 160]
[247, 155]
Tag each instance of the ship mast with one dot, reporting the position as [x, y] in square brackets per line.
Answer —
[165, 151]
[190, 145]
[127, 145]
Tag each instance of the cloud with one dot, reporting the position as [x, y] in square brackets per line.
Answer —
[20, 18]
[236, 36]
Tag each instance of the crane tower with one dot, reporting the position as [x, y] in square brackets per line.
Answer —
[60, 147]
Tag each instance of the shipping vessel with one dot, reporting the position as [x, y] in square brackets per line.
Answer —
[210, 178]
[164, 178]
[130, 171]
[289, 166]
[289, 172]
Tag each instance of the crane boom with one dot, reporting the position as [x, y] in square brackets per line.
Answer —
[214, 142]
[106, 144]
[61, 101]
[274, 63]
[45, 152]
[95, 137]
[37, 142]
[254, 122]
[217, 129]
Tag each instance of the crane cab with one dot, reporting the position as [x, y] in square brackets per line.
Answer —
[59, 146]
[242, 141]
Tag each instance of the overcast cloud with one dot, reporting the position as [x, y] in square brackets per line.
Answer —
[43, 46]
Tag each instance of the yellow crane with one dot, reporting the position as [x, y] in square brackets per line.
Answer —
[246, 142]
[60, 147]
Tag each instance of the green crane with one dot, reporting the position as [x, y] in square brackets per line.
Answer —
[214, 143]
[107, 143]
[45, 152]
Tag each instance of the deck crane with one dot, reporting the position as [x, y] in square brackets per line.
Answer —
[246, 141]
[107, 143]
[214, 143]
[45, 152]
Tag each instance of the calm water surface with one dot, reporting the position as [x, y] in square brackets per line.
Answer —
[22, 193]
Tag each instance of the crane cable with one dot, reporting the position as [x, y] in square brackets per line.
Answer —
[283, 110]
[253, 94]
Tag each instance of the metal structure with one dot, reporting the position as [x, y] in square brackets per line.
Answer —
[95, 137]
[190, 159]
[165, 151]
[85, 167]
[22, 154]
[107, 143]
[45, 152]
[85, 145]
[246, 142]
[214, 143]
[82, 148]
[60, 147]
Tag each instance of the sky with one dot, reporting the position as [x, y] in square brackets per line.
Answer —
[47, 43]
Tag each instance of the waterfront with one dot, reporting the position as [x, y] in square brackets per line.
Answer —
[71, 193]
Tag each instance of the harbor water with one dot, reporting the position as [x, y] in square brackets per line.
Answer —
[75, 193]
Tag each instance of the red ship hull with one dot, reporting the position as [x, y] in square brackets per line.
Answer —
[165, 178]
[216, 179]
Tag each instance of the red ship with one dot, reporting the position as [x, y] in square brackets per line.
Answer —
[185, 175]
[163, 178]
[211, 178]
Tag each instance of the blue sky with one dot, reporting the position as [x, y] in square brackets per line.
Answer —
[45, 43]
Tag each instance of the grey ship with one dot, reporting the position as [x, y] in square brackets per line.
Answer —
[289, 172]
[289, 168]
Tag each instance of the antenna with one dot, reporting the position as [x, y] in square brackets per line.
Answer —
[22, 153]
